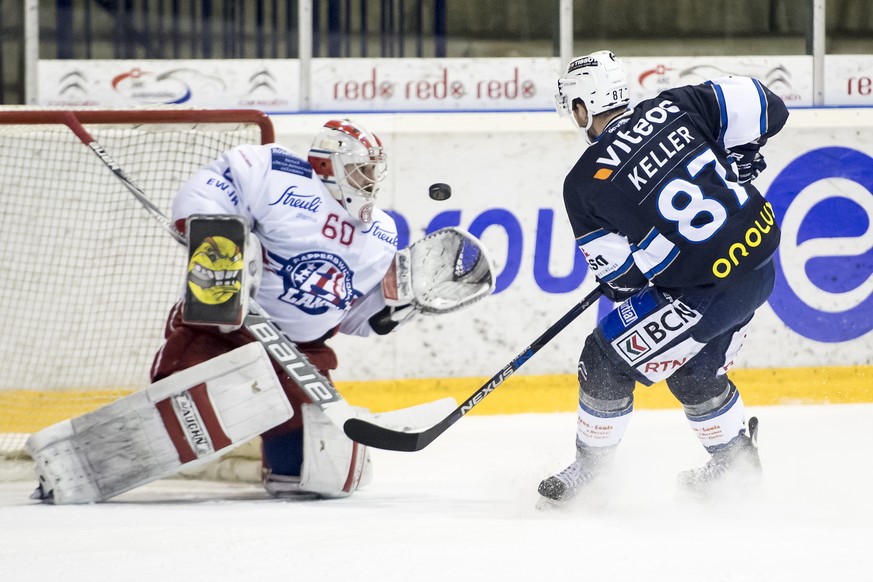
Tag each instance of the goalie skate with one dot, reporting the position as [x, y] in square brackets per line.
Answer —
[736, 465]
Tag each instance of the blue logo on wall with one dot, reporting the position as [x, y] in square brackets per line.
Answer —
[824, 280]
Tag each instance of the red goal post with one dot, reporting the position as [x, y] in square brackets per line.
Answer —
[89, 277]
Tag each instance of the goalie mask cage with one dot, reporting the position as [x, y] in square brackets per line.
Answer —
[89, 277]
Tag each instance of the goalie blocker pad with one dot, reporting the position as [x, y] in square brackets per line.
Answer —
[189, 418]
[216, 287]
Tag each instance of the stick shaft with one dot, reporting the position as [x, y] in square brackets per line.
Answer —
[383, 438]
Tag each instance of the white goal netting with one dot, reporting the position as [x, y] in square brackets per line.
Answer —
[88, 275]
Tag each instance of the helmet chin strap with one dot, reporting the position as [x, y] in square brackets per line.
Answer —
[588, 137]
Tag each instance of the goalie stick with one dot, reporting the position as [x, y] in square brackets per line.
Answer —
[379, 437]
[282, 351]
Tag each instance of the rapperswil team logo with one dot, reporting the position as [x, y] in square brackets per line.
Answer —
[215, 270]
[315, 281]
[824, 282]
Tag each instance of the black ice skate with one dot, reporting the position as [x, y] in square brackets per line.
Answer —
[568, 483]
[736, 465]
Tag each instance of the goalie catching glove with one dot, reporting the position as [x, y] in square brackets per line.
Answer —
[445, 271]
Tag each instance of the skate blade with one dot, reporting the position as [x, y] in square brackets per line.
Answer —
[732, 486]
[546, 504]
[588, 500]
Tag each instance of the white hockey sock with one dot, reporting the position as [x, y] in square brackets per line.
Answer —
[717, 428]
[598, 429]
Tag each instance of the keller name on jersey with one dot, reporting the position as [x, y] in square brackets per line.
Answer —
[316, 281]
[665, 138]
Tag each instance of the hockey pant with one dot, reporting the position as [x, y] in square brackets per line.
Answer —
[690, 340]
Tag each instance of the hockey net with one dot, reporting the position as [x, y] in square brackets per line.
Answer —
[89, 277]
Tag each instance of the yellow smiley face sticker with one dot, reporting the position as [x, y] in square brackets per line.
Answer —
[215, 270]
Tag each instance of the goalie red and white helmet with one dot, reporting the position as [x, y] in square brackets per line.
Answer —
[599, 80]
[351, 162]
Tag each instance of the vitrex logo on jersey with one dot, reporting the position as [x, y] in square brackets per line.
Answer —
[316, 281]
[627, 140]
[656, 331]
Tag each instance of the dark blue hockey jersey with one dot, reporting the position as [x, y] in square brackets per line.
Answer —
[657, 198]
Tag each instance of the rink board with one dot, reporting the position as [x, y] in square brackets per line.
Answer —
[519, 394]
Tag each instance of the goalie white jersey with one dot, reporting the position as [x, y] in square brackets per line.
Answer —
[318, 259]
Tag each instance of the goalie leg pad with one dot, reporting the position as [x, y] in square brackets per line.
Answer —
[336, 466]
[191, 417]
[333, 464]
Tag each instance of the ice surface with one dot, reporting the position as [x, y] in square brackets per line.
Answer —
[464, 509]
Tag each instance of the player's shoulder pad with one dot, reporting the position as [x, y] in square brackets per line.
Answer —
[249, 159]
[591, 173]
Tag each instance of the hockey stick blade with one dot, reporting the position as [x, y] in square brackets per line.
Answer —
[379, 437]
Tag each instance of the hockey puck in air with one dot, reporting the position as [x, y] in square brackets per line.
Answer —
[440, 191]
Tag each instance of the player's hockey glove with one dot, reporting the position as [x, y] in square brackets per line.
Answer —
[618, 294]
[390, 317]
[750, 162]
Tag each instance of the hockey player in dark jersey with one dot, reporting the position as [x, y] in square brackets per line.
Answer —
[663, 207]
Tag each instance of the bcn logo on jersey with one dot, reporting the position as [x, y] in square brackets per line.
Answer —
[634, 346]
[316, 281]
[656, 331]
